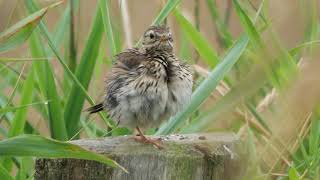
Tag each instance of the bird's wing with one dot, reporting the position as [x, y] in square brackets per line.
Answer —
[125, 62]
[124, 72]
[130, 59]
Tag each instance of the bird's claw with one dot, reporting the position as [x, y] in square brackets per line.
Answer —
[155, 142]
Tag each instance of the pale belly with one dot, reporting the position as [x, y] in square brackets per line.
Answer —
[141, 107]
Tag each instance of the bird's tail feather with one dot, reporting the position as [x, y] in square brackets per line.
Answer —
[95, 108]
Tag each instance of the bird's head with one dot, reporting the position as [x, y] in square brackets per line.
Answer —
[157, 38]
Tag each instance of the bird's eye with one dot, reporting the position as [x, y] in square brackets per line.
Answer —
[151, 35]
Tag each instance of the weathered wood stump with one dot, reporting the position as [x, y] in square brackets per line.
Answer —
[192, 156]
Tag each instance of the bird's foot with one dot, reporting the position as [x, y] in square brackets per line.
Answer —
[155, 142]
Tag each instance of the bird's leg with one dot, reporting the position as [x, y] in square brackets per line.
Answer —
[142, 138]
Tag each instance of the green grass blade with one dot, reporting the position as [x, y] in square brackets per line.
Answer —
[207, 86]
[248, 25]
[32, 7]
[19, 33]
[38, 146]
[12, 76]
[314, 138]
[104, 8]
[258, 116]
[72, 47]
[224, 35]
[287, 68]
[84, 73]
[4, 174]
[294, 51]
[185, 54]
[62, 26]
[203, 47]
[170, 5]
[313, 28]
[13, 109]
[9, 116]
[3, 104]
[19, 120]
[26, 168]
[60, 36]
[100, 66]
[16, 39]
[13, 92]
[3, 132]
[293, 174]
[48, 89]
[238, 93]
[23, 59]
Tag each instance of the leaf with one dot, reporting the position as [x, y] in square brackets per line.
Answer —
[8, 59]
[3, 132]
[294, 51]
[48, 89]
[60, 36]
[258, 116]
[170, 5]
[8, 117]
[61, 28]
[8, 43]
[184, 51]
[287, 68]
[206, 87]
[31, 6]
[38, 146]
[26, 168]
[19, 33]
[235, 96]
[4, 174]
[199, 42]
[293, 174]
[84, 73]
[224, 35]
[13, 79]
[71, 40]
[248, 25]
[314, 138]
[104, 8]
[19, 120]
[313, 28]
[12, 109]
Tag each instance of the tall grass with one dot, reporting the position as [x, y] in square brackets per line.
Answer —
[253, 84]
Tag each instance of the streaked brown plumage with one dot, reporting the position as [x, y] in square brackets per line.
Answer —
[147, 85]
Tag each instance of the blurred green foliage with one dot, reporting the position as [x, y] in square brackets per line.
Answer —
[245, 83]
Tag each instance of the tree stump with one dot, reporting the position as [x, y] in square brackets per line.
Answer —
[185, 157]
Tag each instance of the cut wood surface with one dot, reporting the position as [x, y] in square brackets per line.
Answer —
[190, 156]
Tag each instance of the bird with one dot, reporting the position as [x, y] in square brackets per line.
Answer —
[147, 85]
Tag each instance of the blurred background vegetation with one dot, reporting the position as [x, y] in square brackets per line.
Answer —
[256, 66]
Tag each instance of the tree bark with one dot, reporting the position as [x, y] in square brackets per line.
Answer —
[191, 156]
